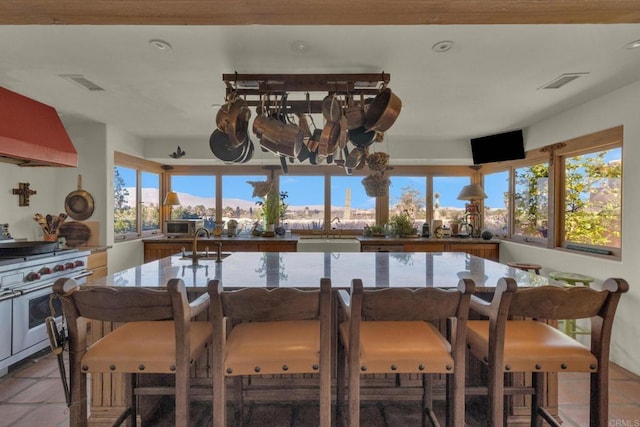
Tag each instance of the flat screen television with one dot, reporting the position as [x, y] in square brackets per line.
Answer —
[498, 148]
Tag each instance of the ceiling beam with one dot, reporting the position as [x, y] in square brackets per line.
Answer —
[317, 12]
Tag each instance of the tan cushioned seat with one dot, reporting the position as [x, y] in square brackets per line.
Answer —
[533, 346]
[405, 345]
[142, 346]
[273, 348]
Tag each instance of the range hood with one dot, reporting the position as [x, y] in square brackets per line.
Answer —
[31, 133]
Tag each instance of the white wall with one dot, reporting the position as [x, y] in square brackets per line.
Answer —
[617, 108]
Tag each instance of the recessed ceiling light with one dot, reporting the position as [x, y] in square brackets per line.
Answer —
[299, 46]
[442, 46]
[161, 45]
[633, 45]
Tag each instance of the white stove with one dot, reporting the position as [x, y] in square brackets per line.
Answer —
[25, 287]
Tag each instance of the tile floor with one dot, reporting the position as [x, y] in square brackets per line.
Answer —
[31, 396]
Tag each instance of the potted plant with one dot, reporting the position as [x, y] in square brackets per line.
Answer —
[273, 208]
[403, 224]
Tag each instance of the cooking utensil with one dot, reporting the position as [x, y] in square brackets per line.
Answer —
[383, 111]
[79, 204]
[361, 137]
[331, 108]
[219, 145]
[239, 115]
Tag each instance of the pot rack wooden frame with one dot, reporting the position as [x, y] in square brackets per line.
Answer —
[253, 87]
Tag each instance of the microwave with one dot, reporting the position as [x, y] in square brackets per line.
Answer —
[183, 227]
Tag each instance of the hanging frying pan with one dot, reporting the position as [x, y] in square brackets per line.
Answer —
[219, 142]
[79, 204]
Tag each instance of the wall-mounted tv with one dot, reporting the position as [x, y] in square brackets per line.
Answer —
[498, 148]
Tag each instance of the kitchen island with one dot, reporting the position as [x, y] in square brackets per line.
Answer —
[297, 269]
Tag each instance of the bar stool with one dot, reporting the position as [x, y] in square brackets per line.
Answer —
[532, 346]
[526, 266]
[572, 279]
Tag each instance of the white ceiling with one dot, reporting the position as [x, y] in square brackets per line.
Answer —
[487, 83]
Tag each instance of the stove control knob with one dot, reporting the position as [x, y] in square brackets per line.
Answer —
[69, 265]
[32, 276]
[59, 267]
[44, 270]
[79, 263]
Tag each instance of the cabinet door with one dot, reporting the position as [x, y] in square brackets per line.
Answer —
[483, 250]
[425, 247]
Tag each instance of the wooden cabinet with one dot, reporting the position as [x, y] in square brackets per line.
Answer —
[485, 249]
[157, 249]
[97, 263]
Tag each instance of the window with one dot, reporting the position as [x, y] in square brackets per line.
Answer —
[125, 213]
[238, 202]
[496, 205]
[531, 201]
[305, 201]
[197, 195]
[150, 201]
[350, 203]
[136, 197]
[446, 205]
[592, 198]
[409, 193]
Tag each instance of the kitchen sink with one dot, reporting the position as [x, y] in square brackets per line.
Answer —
[203, 256]
[325, 236]
[324, 244]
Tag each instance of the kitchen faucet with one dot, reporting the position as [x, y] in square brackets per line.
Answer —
[337, 221]
[194, 249]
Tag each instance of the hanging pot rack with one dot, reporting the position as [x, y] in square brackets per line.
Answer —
[252, 87]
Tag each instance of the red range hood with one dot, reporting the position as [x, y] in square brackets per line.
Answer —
[31, 133]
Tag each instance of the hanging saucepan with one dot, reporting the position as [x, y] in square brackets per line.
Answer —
[239, 115]
[383, 111]
[222, 117]
[79, 204]
[360, 137]
[329, 138]
[219, 145]
[331, 108]
[354, 114]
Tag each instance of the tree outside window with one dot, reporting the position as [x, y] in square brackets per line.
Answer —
[531, 201]
[592, 188]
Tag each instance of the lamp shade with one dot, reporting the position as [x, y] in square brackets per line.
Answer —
[472, 192]
[171, 199]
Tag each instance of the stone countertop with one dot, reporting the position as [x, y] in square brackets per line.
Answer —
[297, 269]
[296, 237]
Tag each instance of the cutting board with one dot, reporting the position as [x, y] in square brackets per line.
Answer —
[80, 233]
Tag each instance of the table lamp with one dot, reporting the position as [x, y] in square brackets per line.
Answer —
[171, 199]
[473, 193]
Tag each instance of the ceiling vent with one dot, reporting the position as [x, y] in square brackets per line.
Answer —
[82, 81]
[562, 80]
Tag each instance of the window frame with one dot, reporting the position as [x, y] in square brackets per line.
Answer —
[140, 166]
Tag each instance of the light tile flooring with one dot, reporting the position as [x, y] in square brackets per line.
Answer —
[31, 396]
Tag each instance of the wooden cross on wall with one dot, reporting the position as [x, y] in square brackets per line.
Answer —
[24, 192]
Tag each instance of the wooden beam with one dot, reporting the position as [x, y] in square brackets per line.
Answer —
[317, 12]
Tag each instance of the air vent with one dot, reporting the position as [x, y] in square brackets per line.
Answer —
[82, 81]
[562, 80]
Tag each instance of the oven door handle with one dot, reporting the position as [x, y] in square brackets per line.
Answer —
[82, 275]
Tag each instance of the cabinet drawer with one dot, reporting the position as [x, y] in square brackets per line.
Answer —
[96, 260]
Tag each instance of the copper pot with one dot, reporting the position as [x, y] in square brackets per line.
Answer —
[281, 138]
[329, 138]
[383, 111]
[331, 108]
[239, 115]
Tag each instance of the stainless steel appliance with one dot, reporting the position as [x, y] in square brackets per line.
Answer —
[183, 227]
[25, 286]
